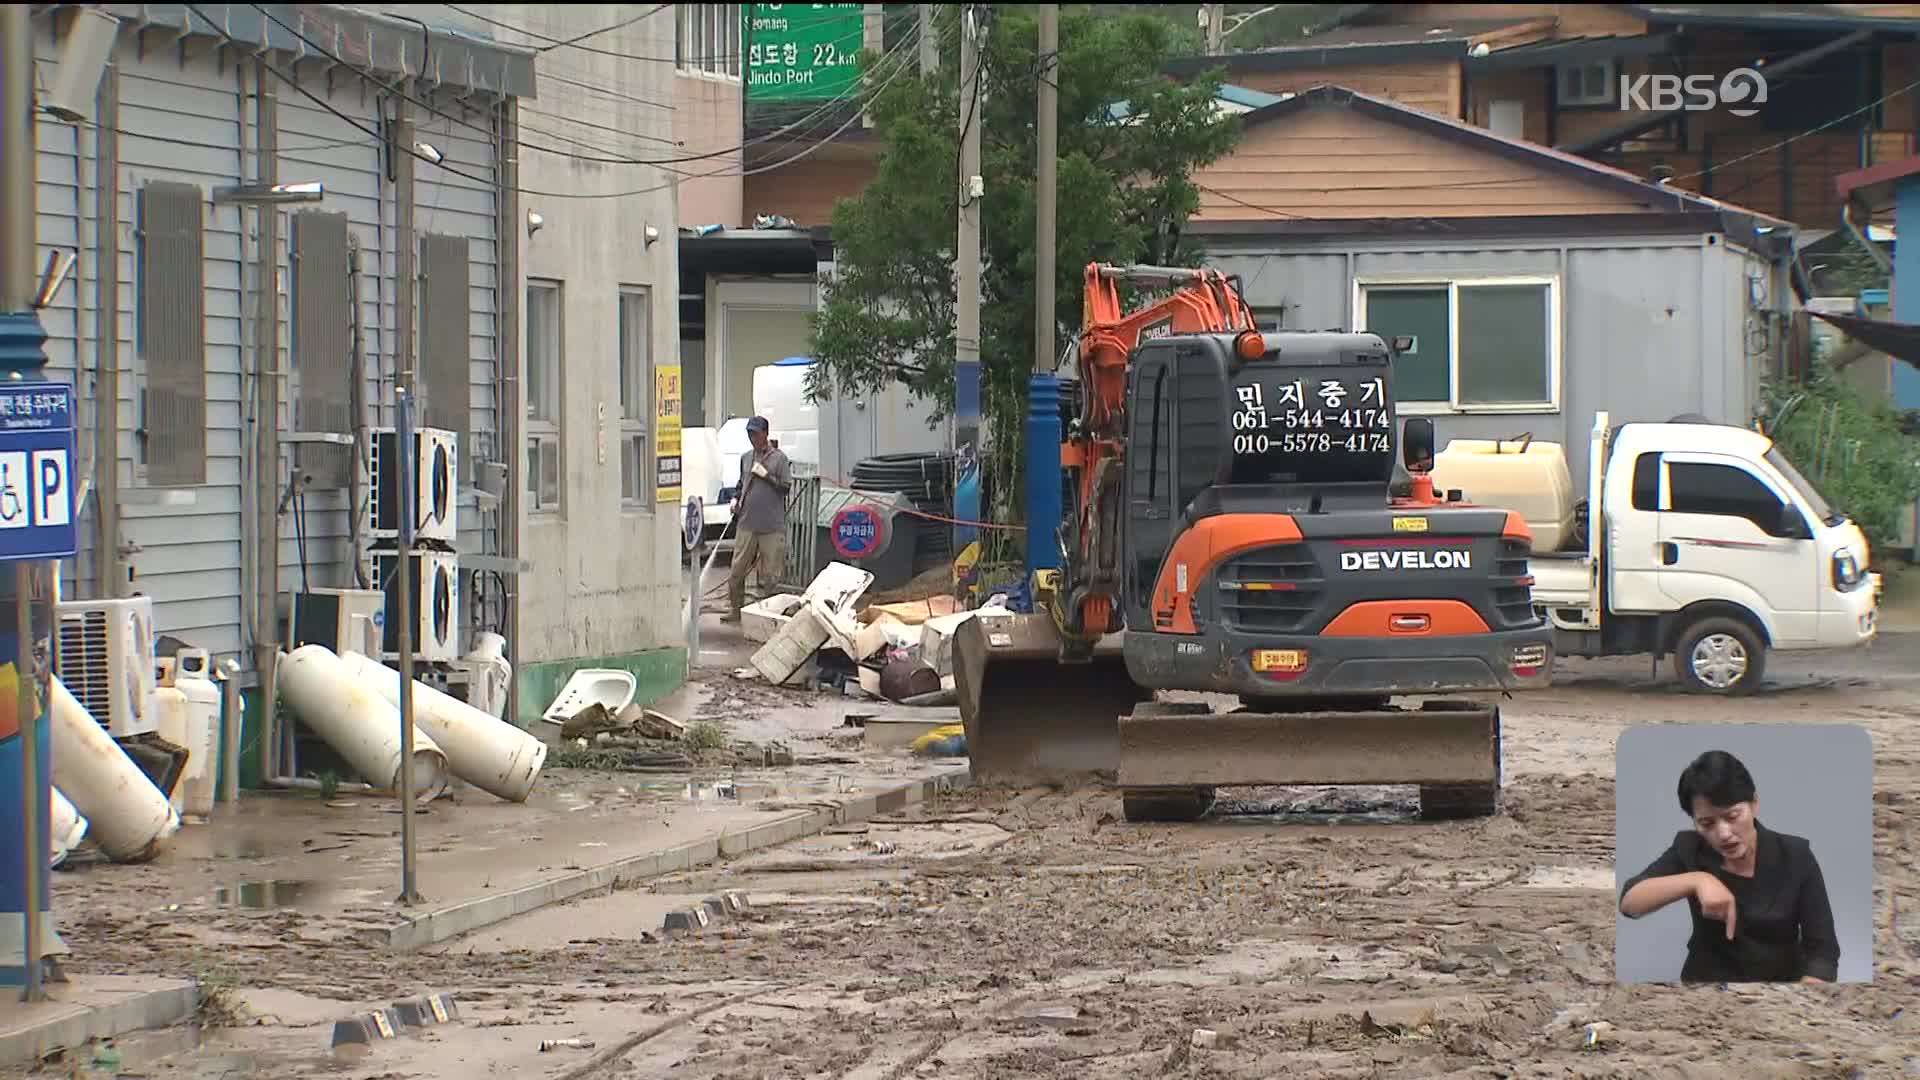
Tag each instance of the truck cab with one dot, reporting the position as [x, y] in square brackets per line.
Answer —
[1707, 544]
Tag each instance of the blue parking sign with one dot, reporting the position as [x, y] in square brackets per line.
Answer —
[36, 471]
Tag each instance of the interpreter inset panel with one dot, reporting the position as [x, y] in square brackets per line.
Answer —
[1743, 853]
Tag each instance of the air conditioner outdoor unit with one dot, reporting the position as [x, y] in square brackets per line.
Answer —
[436, 475]
[340, 619]
[436, 604]
[106, 659]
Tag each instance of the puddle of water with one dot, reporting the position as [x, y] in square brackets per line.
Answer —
[752, 790]
[269, 894]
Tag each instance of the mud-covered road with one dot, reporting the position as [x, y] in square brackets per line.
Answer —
[1005, 934]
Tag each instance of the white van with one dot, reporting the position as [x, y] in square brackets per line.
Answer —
[1704, 543]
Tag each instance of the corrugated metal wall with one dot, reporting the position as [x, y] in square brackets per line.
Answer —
[185, 116]
[1651, 326]
[181, 122]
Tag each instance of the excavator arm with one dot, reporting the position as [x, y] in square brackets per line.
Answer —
[1086, 600]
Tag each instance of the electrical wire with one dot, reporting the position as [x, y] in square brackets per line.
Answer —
[793, 23]
[621, 25]
[393, 88]
[380, 139]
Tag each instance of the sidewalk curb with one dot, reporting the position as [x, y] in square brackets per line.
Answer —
[445, 924]
[70, 1026]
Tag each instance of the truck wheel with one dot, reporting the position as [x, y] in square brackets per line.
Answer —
[1141, 805]
[1720, 656]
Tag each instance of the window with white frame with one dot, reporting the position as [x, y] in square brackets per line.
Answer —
[1588, 84]
[636, 399]
[707, 38]
[1478, 343]
[546, 340]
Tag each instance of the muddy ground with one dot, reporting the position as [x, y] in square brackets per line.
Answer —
[1005, 934]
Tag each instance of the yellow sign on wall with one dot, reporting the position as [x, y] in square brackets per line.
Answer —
[666, 434]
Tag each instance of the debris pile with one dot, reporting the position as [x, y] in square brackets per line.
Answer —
[901, 652]
[641, 739]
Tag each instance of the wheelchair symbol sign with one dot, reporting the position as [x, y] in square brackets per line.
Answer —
[34, 489]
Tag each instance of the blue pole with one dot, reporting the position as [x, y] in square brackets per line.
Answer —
[26, 759]
[1043, 474]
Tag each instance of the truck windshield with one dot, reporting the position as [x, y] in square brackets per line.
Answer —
[1808, 492]
[1310, 425]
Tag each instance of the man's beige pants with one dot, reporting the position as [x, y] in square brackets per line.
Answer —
[763, 553]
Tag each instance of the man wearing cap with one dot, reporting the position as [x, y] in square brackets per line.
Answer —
[760, 517]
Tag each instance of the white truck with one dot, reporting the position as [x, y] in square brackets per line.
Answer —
[1703, 542]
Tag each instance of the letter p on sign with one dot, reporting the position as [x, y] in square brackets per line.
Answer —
[52, 499]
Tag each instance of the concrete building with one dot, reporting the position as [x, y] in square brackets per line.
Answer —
[227, 395]
[599, 166]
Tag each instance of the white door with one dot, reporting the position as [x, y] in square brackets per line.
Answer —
[750, 324]
[1729, 533]
[1632, 541]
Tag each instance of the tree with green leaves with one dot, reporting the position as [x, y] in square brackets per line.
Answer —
[1124, 195]
[1854, 448]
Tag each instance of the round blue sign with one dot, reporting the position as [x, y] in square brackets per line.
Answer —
[858, 532]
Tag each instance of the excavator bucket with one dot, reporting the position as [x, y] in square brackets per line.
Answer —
[1449, 748]
[1032, 720]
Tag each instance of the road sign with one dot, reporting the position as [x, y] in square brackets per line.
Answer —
[858, 532]
[36, 471]
[695, 524]
[803, 52]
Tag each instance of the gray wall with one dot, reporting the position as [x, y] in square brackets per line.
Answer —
[605, 580]
[1651, 326]
[192, 120]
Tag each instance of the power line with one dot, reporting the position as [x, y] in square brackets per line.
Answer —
[621, 25]
[552, 42]
[381, 139]
[393, 88]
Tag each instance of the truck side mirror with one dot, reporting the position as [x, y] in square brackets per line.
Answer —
[1416, 444]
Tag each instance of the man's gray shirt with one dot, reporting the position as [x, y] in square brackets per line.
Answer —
[764, 509]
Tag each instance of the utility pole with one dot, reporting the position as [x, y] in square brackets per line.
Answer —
[1043, 389]
[24, 340]
[402, 150]
[966, 332]
[929, 42]
[1215, 16]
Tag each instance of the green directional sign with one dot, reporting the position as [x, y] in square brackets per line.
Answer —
[803, 52]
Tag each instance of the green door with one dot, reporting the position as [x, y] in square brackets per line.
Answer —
[1420, 373]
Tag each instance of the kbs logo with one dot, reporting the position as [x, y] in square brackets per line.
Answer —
[1695, 93]
[1414, 559]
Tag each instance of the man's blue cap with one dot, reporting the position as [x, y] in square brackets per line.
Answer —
[758, 423]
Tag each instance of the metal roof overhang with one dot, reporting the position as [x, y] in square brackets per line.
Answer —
[1874, 186]
[756, 251]
[360, 39]
[1739, 228]
[1294, 58]
[1772, 17]
[1582, 50]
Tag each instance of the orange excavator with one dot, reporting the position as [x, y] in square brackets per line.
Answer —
[1237, 527]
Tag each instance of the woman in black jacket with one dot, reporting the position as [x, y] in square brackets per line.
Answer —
[1759, 904]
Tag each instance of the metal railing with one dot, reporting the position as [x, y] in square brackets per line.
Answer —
[803, 528]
